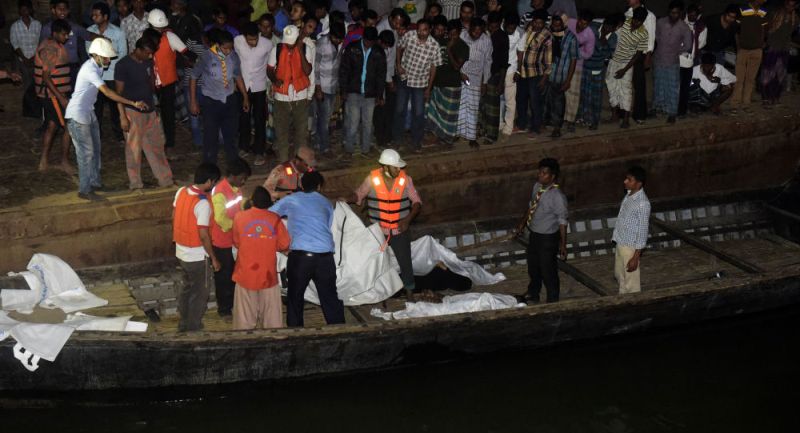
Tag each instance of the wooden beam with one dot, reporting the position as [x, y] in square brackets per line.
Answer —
[584, 278]
[356, 314]
[577, 274]
[784, 213]
[706, 246]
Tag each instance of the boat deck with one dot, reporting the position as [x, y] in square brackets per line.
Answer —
[661, 268]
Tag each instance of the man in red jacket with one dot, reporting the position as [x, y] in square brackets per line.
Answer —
[258, 234]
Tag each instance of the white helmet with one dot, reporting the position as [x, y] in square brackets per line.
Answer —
[391, 157]
[102, 47]
[157, 18]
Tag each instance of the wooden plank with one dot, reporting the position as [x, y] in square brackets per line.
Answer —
[356, 314]
[584, 278]
[706, 246]
[784, 213]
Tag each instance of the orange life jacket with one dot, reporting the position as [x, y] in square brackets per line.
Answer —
[289, 69]
[289, 180]
[388, 206]
[164, 60]
[233, 203]
[184, 222]
[59, 73]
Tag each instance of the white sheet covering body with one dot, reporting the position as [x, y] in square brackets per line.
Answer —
[53, 284]
[461, 303]
[426, 252]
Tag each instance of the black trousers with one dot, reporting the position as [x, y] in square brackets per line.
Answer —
[639, 111]
[166, 99]
[223, 283]
[683, 99]
[258, 115]
[383, 119]
[303, 267]
[99, 106]
[401, 246]
[542, 255]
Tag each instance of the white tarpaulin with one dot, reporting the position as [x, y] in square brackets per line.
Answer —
[462, 303]
[53, 284]
[426, 252]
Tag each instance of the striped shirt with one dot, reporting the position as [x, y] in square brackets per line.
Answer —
[479, 64]
[649, 25]
[629, 42]
[26, 38]
[569, 52]
[537, 57]
[632, 223]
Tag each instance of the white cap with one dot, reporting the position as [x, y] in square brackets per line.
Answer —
[391, 157]
[290, 34]
[157, 18]
[102, 47]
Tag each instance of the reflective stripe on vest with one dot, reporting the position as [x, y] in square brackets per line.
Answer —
[220, 238]
[388, 206]
[287, 63]
[289, 181]
[184, 223]
[60, 73]
[164, 62]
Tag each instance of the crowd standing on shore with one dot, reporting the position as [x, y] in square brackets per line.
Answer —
[270, 80]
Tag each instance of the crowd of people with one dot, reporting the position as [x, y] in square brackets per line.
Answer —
[260, 79]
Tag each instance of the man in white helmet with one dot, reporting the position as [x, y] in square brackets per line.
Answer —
[392, 202]
[81, 119]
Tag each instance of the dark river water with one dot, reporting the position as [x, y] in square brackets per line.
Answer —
[738, 375]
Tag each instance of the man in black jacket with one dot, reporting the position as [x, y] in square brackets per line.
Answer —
[362, 74]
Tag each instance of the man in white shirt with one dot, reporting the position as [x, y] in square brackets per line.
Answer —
[253, 50]
[712, 85]
[100, 16]
[24, 37]
[639, 110]
[689, 60]
[82, 121]
[511, 26]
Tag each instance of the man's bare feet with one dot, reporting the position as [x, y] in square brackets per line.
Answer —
[42, 166]
[66, 168]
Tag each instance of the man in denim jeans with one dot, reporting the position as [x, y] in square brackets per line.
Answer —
[328, 56]
[418, 55]
[362, 77]
[82, 121]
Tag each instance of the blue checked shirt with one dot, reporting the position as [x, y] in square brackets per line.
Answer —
[633, 221]
[569, 52]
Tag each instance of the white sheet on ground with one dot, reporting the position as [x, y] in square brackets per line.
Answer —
[53, 284]
[461, 303]
[426, 252]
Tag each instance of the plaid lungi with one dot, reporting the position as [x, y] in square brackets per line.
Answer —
[666, 88]
[592, 96]
[573, 96]
[773, 73]
[181, 104]
[620, 91]
[145, 135]
[490, 109]
[468, 109]
[442, 111]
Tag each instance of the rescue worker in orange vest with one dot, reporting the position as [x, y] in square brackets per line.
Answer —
[170, 47]
[258, 235]
[226, 199]
[289, 69]
[284, 179]
[191, 219]
[393, 202]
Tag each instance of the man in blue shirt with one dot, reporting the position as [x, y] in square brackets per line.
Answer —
[310, 216]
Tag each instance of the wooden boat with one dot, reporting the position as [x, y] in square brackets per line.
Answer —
[708, 258]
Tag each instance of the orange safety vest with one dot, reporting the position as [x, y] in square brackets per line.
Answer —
[164, 60]
[388, 206]
[233, 203]
[290, 70]
[58, 73]
[289, 180]
[184, 222]
[259, 234]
